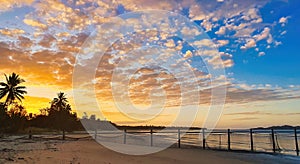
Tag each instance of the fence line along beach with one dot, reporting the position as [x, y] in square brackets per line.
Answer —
[80, 146]
[277, 141]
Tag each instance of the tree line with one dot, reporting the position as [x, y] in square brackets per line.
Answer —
[14, 117]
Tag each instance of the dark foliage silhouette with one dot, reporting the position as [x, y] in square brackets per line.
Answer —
[11, 89]
[14, 118]
[13, 115]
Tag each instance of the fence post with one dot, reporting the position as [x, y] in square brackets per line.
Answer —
[95, 134]
[124, 136]
[203, 138]
[251, 139]
[178, 138]
[296, 141]
[273, 141]
[64, 137]
[151, 137]
[220, 141]
[228, 136]
[30, 135]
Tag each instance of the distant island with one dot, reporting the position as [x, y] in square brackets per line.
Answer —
[277, 127]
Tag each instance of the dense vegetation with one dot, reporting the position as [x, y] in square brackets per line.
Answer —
[14, 117]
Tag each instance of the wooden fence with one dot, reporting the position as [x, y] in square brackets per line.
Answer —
[206, 142]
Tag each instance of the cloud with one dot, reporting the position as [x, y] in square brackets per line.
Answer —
[283, 32]
[63, 34]
[250, 44]
[263, 35]
[222, 61]
[207, 25]
[38, 68]
[252, 113]
[261, 53]
[196, 12]
[188, 54]
[230, 20]
[205, 43]
[240, 21]
[155, 4]
[11, 32]
[34, 23]
[47, 40]
[242, 93]
[222, 43]
[221, 31]
[45, 53]
[283, 20]
[170, 43]
[6, 5]
[151, 80]
[246, 118]
[261, 113]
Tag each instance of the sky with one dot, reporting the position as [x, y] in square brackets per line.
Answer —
[173, 62]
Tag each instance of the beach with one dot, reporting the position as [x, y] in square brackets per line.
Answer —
[89, 151]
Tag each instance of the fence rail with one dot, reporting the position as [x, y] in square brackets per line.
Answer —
[270, 140]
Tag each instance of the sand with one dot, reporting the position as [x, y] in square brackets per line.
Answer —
[88, 151]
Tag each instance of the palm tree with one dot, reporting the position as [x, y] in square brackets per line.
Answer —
[60, 112]
[68, 108]
[60, 102]
[11, 89]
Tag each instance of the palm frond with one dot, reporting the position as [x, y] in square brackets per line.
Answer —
[6, 78]
[11, 88]
[3, 84]
[3, 93]
[19, 98]
[21, 91]
[21, 87]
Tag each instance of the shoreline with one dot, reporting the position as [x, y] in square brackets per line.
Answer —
[88, 151]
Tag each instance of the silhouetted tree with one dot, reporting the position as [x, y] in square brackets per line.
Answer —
[11, 90]
[13, 119]
[60, 102]
[44, 111]
[4, 118]
[60, 113]
[18, 118]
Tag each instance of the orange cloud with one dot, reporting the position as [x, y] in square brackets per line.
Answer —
[6, 5]
[34, 23]
[11, 32]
